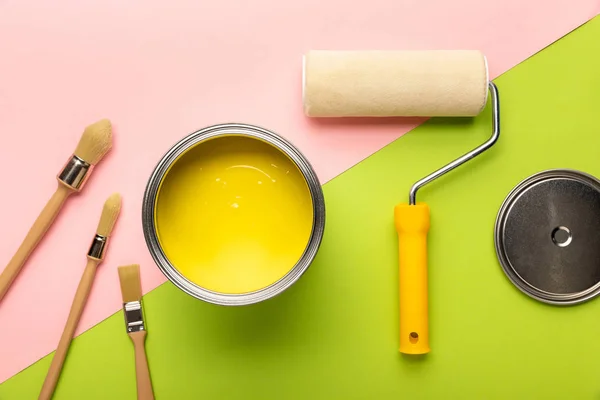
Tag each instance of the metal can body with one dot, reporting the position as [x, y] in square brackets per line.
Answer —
[149, 209]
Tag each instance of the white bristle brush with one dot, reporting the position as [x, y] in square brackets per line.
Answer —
[95, 142]
[95, 255]
[131, 289]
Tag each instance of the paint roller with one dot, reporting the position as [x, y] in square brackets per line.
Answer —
[411, 84]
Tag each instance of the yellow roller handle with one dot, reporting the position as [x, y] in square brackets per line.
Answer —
[412, 224]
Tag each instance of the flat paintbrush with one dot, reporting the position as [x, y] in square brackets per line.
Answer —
[95, 255]
[95, 142]
[131, 289]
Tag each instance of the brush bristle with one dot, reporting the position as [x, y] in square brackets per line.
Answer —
[131, 284]
[109, 216]
[95, 142]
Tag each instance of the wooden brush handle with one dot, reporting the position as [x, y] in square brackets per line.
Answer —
[83, 291]
[35, 234]
[144, 384]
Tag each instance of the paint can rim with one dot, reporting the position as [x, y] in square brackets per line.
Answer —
[149, 206]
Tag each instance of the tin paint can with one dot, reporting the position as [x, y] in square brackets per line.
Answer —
[547, 236]
[233, 214]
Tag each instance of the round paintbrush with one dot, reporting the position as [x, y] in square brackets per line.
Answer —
[111, 210]
[95, 142]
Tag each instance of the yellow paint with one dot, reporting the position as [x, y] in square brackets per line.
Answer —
[234, 214]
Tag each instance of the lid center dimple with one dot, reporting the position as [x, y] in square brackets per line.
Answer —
[561, 236]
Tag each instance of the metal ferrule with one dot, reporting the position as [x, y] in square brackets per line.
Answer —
[134, 317]
[98, 247]
[75, 173]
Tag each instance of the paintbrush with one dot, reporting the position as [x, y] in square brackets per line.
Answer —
[95, 142]
[95, 255]
[131, 289]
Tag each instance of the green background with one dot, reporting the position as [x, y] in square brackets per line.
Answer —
[334, 333]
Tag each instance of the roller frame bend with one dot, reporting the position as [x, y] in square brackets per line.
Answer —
[412, 198]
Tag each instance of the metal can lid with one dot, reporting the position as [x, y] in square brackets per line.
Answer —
[547, 236]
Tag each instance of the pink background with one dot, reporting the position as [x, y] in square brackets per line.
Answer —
[160, 70]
